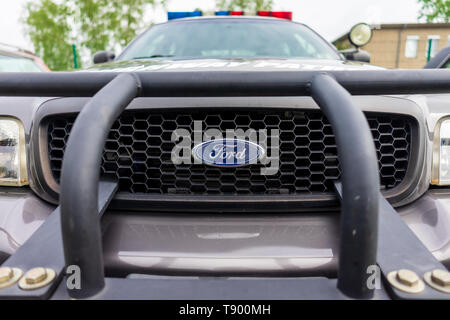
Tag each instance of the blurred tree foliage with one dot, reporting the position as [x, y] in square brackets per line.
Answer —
[435, 10]
[49, 31]
[244, 5]
[93, 25]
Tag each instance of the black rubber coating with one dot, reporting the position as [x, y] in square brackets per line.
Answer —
[360, 180]
[80, 181]
[225, 83]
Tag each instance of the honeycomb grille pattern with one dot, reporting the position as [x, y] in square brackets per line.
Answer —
[138, 152]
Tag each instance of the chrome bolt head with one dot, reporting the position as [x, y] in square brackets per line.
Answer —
[406, 281]
[37, 278]
[441, 277]
[438, 279]
[36, 275]
[9, 276]
[6, 274]
[407, 277]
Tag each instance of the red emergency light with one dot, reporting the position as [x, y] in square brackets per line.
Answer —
[276, 14]
[236, 13]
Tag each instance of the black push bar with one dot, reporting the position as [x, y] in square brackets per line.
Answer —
[360, 184]
[81, 170]
[225, 83]
[80, 220]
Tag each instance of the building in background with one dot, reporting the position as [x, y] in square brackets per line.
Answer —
[403, 46]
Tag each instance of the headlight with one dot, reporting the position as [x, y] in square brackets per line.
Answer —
[13, 169]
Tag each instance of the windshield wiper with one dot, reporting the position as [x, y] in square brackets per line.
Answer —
[155, 56]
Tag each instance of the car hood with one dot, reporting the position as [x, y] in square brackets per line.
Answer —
[169, 65]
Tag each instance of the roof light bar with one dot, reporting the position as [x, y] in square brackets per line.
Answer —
[276, 14]
[185, 14]
[229, 13]
[222, 13]
[179, 15]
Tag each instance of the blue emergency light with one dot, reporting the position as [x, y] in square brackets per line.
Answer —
[179, 15]
[229, 13]
[222, 13]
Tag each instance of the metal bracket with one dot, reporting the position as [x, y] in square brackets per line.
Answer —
[399, 248]
[191, 288]
[45, 249]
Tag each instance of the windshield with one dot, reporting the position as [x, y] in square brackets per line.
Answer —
[230, 38]
[16, 64]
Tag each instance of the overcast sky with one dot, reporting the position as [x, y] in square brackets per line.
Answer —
[331, 18]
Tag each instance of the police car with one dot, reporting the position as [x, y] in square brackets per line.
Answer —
[269, 41]
[229, 157]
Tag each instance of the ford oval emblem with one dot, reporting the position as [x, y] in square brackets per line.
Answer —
[228, 152]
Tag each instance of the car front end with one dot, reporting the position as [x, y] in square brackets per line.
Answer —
[227, 176]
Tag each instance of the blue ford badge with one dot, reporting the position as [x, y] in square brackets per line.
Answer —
[228, 152]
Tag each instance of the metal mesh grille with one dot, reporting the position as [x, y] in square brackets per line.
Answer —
[138, 152]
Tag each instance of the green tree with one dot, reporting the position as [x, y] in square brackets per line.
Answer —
[93, 25]
[108, 22]
[245, 5]
[435, 10]
[49, 31]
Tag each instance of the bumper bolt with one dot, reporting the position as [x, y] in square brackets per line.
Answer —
[9, 276]
[35, 275]
[438, 279]
[37, 278]
[406, 280]
[6, 273]
[407, 277]
[441, 277]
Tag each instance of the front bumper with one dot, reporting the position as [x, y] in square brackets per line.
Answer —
[303, 244]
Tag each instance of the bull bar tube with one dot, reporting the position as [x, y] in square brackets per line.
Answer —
[80, 184]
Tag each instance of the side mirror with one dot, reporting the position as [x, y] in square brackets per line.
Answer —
[356, 55]
[440, 60]
[103, 56]
[360, 35]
